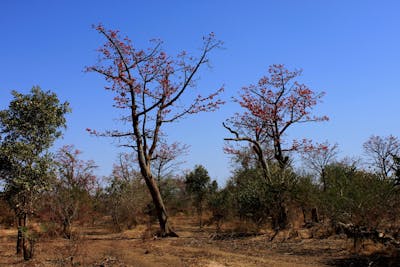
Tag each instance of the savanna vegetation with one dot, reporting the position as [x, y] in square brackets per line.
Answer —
[293, 199]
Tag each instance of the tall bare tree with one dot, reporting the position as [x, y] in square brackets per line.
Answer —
[271, 107]
[149, 85]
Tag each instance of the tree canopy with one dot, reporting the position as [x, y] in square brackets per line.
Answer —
[28, 128]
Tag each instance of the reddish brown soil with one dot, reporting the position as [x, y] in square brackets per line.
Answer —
[194, 247]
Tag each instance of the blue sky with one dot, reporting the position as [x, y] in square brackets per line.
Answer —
[349, 49]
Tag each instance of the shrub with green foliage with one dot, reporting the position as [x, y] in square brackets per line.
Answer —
[251, 196]
[28, 128]
[357, 201]
[198, 184]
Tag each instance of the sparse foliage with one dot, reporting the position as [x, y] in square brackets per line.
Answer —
[271, 107]
[125, 196]
[318, 158]
[71, 190]
[380, 151]
[165, 163]
[220, 203]
[148, 85]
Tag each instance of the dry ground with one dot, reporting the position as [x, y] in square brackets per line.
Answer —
[194, 247]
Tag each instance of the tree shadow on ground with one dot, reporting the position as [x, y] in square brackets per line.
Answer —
[374, 260]
[313, 252]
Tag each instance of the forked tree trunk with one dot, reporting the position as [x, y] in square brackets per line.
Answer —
[144, 158]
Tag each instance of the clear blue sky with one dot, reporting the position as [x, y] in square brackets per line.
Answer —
[349, 49]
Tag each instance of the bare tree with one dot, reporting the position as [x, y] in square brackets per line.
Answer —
[75, 180]
[166, 162]
[271, 107]
[318, 158]
[380, 152]
[148, 85]
[126, 194]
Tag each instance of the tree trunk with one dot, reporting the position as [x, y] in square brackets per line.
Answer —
[264, 165]
[19, 235]
[114, 216]
[25, 244]
[28, 245]
[314, 215]
[303, 210]
[323, 179]
[280, 216]
[165, 229]
[67, 232]
[218, 222]
[200, 215]
[357, 239]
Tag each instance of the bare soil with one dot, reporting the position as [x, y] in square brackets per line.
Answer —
[95, 246]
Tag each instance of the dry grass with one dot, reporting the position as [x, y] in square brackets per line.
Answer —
[194, 247]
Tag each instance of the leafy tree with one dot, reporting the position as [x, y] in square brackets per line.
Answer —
[356, 199]
[28, 128]
[220, 203]
[307, 194]
[148, 85]
[7, 217]
[198, 185]
[251, 195]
